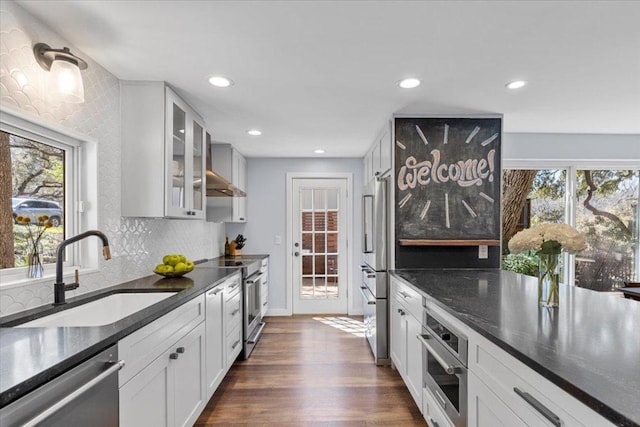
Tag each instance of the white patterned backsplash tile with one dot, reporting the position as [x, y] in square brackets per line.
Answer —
[137, 244]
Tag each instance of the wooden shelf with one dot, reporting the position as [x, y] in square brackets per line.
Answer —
[424, 242]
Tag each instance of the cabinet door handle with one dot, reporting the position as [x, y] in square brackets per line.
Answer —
[180, 350]
[404, 295]
[535, 403]
[234, 312]
[215, 291]
[235, 344]
[241, 219]
[173, 356]
[433, 423]
[402, 313]
[265, 303]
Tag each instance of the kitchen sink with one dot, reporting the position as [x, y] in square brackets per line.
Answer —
[103, 311]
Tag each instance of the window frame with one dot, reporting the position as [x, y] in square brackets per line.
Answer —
[572, 167]
[78, 150]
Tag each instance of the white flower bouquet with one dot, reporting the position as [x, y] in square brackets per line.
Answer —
[548, 239]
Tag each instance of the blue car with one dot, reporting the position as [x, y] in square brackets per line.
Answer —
[33, 208]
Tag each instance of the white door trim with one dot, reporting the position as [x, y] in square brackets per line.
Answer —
[289, 231]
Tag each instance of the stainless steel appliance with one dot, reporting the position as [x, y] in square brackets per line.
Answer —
[86, 395]
[375, 278]
[444, 356]
[252, 274]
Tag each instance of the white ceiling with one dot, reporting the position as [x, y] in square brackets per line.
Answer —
[323, 74]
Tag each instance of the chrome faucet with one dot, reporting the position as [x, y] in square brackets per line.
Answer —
[59, 288]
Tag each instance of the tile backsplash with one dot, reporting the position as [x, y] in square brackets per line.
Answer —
[137, 243]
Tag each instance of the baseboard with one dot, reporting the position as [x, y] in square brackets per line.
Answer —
[278, 312]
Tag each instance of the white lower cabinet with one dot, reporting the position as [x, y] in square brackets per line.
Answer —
[406, 349]
[486, 409]
[215, 338]
[171, 390]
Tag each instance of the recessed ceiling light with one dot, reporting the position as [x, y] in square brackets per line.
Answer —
[409, 83]
[516, 84]
[318, 151]
[220, 81]
[254, 132]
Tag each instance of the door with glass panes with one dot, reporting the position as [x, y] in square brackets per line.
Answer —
[319, 237]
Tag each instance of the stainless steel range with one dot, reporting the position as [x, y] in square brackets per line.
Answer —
[252, 274]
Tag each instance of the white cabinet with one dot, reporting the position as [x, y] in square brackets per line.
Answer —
[531, 397]
[264, 287]
[228, 162]
[214, 325]
[232, 309]
[163, 153]
[406, 349]
[378, 160]
[170, 391]
[486, 409]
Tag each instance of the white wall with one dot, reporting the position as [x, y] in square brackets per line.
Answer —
[519, 147]
[266, 213]
[137, 244]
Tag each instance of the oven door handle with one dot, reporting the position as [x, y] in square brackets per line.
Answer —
[255, 278]
[450, 368]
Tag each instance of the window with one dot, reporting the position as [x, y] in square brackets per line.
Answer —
[45, 165]
[605, 208]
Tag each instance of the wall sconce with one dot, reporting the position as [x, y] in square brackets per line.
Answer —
[64, 71]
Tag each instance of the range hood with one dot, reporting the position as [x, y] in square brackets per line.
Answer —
[217, 185]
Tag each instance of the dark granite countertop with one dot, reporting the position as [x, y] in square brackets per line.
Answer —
[589, 347]
[29, 357]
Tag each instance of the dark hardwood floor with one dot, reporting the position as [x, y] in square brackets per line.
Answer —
[304, 372]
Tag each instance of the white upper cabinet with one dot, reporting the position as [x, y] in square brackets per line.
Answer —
[378, 160]
[163, 153]
[230, 164]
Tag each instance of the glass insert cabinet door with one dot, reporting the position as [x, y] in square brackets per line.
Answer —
[185, 154]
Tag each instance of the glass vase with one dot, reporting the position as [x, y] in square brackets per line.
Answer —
[548, 279]
[35, 268]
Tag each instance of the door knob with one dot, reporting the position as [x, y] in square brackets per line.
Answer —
[296, 253]
[296, 244]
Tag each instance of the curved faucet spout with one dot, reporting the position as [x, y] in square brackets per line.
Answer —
[59, 287]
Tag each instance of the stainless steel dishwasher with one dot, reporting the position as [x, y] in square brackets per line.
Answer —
[86, 395]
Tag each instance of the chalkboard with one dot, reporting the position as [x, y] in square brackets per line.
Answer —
[447, 178]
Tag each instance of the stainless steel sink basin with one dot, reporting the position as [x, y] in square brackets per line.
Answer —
[103, 311]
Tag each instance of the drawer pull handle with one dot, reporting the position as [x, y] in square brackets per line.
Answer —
[433, 423]
[405, 295]
[535, 403]
[234, 312]
[215, 291]
[180, 350]
[265, 303]
[173, 356]
[235, 344]
[402, 313]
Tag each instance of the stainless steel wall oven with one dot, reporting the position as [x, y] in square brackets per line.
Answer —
[444, 357]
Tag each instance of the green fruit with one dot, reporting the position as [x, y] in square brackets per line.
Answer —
[189, 265]
[168, 269]
[165, 259]
[180, 267]
[159, 268]
[173, 260]
[182, 258]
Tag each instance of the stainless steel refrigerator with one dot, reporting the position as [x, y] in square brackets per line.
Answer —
[375, 276]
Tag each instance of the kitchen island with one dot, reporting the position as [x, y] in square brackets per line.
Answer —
[30, 357]
[589, 347]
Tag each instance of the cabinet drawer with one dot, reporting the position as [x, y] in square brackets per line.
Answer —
[433, 415]
[234, 345]
[409, 298]
[232, 313]
[150, 341]
[527, 393]
[232, 287]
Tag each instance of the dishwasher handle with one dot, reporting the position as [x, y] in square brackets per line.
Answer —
[74, 395]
